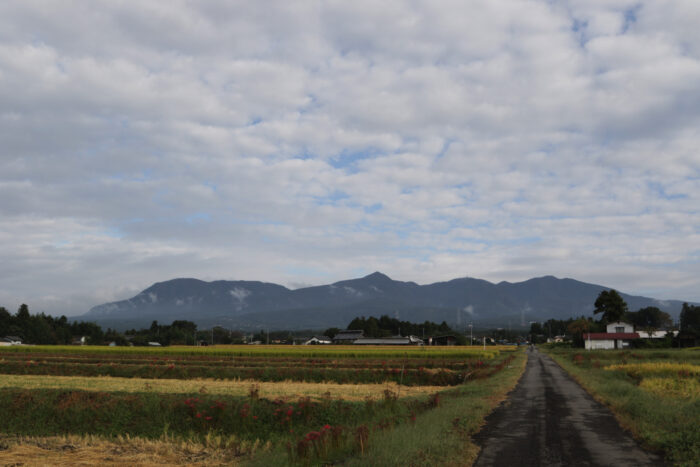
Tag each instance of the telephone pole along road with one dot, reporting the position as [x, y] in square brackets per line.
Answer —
[550, 420]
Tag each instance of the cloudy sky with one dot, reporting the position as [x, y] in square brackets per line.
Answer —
[308, 142]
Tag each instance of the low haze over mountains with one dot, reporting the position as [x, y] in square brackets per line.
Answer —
[254, 305]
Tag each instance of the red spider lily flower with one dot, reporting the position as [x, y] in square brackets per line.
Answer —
[199, 415]
[208, 418]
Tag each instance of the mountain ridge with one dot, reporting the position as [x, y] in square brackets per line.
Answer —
[251, 305]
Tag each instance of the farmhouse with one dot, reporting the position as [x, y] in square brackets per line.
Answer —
[617, 336]
[347, 336]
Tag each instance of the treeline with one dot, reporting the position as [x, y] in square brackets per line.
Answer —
[385, 326]
[644, 320]
[42, 329]
[572, 327]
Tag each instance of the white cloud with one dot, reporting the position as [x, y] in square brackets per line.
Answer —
[314, 142]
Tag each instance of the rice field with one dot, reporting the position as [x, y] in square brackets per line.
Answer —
[304, 405]
[345, 365]
[301, 351]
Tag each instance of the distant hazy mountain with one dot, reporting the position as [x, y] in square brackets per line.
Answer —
[254, 305]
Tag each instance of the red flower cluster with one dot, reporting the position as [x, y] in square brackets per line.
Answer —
[191, 402]
[198, 413]
[245, 411]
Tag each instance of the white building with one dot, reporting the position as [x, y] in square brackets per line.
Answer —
[319, 340]
[618, 336]
[10, 340]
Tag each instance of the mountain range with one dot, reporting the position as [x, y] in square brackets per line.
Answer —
[253, 305]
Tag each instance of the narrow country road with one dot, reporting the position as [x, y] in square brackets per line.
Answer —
[550, 420]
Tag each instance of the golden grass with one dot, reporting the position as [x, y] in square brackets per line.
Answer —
[657, 369]
[683, 388]
[291, 390]
[125, 451]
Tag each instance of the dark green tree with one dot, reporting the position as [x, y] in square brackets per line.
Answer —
[690, 320]
[5, 321]
[611, 305]
[649, 319]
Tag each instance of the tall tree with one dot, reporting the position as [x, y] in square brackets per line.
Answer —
[611, 304]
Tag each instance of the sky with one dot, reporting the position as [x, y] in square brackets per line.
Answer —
[307, 142]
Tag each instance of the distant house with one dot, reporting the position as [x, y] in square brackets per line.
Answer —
[655, 334]
[347, 336]
[316, 340]
[442, 340]
[618, 336]
[154, 344]
[10, 340]
[397, 340]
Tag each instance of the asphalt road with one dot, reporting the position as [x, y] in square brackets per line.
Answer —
[550, 420]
